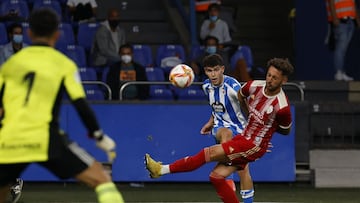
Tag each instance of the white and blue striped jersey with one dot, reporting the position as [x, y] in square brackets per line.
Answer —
[225, 105]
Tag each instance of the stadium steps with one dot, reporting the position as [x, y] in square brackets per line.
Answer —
[264, 26]
[335, 168]
[145, 22]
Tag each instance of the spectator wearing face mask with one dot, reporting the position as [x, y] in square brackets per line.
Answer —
[214, 26]
[15, 35]
[211, 46]
[124, 71]
[107, 41]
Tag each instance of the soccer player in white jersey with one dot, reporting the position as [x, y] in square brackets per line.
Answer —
[227, 118]
[269, 112]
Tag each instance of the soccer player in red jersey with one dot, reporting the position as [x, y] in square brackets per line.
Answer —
[269, 112]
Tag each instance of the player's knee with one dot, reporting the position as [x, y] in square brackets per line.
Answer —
[215, 178]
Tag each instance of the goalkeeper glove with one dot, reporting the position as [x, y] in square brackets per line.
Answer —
[105, 143]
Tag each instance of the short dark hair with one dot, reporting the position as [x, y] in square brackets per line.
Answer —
[283, 65]
[210, 37]
[12, 27]
[213, 60]
[126, 46]
[215, 6]
[43, 22]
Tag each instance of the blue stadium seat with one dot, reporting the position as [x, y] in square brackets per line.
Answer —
[104, 74]
[243, 51]
[76, 53]
[87, 74]
[66, 36]
[86, 34]
[191, 94]
[196, 52]
[17, 6]
[160, 93]
[25, 27]
[3, 34]
[143, 55]
[155, 74]
[170, 50]
[94, 94]
[52, 4]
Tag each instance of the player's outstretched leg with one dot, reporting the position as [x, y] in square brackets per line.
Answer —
[185, 164]
[16, 190]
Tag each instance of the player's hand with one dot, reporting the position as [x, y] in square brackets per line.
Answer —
[107, 144]
[206, 129]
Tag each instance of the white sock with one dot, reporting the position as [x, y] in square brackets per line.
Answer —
[165, 169]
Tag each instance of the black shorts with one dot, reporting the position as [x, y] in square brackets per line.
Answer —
[66, 160]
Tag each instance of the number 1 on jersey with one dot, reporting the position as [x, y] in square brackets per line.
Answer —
[29, 78]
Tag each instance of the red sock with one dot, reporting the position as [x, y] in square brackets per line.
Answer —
[224, 191]
[190, 163]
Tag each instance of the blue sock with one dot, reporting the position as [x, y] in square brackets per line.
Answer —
[247, 195]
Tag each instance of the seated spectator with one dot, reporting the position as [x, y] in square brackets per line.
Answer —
[82, 10]
[214, 26]
[107, 41]
[15, 35]
[127, 70]
[211, 47]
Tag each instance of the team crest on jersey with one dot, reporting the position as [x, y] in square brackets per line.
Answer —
[218, 107]
[270, 109]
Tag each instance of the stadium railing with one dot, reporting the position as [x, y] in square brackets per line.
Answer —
[125, 85]
[102, 84]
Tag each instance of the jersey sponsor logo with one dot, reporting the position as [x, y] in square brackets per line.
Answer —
[270, 109]
[257, 115]
[218, 107]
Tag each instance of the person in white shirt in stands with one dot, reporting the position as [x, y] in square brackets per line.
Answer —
[214, 26]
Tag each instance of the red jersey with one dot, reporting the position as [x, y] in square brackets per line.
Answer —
[266, 113]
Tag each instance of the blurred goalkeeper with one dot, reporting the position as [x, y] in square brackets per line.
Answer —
[32, 82]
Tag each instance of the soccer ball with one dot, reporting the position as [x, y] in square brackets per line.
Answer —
[181, 76]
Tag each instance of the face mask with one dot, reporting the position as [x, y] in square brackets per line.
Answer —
[211, 49]
[126, 58]
[213, 18]
[113, 23]
[18, 38]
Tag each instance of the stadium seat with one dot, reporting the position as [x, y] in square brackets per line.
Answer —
[155, 74]
[191, 94]
[3, 34]
[157, 92]
[87, 74]
[165, 51]
[52, 4]
[66, 36]
[143, 55]
[86, 35]
[16, 6]
[196, 52]
[243, 51]
[76, 53]
[25, 27]
[94, 94]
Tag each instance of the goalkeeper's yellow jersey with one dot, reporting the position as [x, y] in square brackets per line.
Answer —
[33, 81]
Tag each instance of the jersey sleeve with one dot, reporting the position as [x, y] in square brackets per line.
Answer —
[283, 118]
[73, 84]
[245, 89]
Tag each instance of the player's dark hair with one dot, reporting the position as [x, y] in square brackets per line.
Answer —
[12, 27]
[213, 60]
[215, 6]
[283, 65]
[43, 22]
